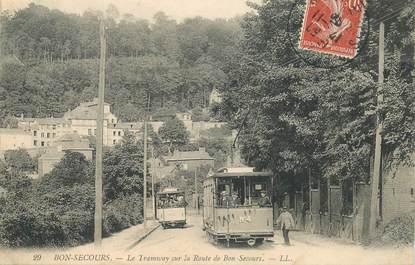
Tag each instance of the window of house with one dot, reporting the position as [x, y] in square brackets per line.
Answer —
[119, 133]
[89, 131]
[54, 127]
[35, 143]
[95, 131]
[113, 133]
[48, 135]
[412, 192]
[114, 142]
[42, 143]
[34, 133]
[42, 135]
[112, 121]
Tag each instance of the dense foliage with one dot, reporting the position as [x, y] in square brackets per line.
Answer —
[58, 210]
[294, 116]
[174, 133]
[51, 61]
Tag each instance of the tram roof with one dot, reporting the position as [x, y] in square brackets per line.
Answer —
[240, 174]
[170, 192]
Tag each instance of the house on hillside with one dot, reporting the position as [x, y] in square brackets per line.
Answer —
[215, 97]
[189, 160]
[12, 139]
[69, 142]
[84, 120]
[46, 131]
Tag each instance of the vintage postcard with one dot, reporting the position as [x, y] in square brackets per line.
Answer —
[207, 132]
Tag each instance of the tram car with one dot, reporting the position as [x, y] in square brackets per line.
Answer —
[237, 206]
[171, 208]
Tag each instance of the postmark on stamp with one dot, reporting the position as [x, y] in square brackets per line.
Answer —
[332, 26]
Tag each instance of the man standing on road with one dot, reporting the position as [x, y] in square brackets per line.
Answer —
[287, 222]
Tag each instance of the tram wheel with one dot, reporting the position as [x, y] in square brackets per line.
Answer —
[251, 242]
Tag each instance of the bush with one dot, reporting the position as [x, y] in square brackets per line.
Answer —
[399, 231]
[62, 217]
[123, 212]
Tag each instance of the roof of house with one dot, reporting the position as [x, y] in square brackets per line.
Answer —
[86, 111]
[52, 154]
[73, 141]
[51, 121]
[13, 131]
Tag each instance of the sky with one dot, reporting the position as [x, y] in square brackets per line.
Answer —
[177, 9]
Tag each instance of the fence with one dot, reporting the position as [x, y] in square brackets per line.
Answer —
[331, 221]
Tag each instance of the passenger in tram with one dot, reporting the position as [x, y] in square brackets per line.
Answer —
[264, 200]
[225, 199]
[180, 201]
[235, 200]
[172, 202]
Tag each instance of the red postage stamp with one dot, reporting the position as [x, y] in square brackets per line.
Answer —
[332, 26]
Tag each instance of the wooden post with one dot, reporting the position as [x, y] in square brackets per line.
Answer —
[145, 170]
[196, 194]
[153, 168]
[309, 191]
[99, 140]
[374, 198]
[1, 31]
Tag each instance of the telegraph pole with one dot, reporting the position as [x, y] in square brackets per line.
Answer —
[145, 164]
[196, 194]
[99, 140]
[153, 168]
[1, 33]
[377, 163]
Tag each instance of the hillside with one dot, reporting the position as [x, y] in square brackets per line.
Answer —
[52, 61]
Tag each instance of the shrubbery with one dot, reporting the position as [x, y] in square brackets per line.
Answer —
[123, 212]
[399, 231]
[59, 209]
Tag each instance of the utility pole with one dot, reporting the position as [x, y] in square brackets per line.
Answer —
[377, 163]
[145, 164]
[1, 31]
[99, 140]
[153, 168]
[196, 194]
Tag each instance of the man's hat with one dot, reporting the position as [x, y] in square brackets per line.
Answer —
[284, 208]
[263, 191]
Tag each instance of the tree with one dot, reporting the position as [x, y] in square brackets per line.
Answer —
[174, 133]
[123, 168]
[72, 169]
[293, 116]
[19, 161]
